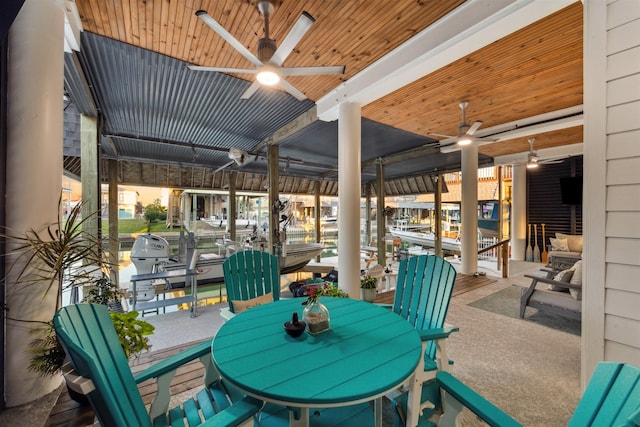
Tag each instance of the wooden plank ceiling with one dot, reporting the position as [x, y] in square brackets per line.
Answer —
[535, 70]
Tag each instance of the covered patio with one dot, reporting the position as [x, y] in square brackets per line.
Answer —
[146, 120]
[528, 369]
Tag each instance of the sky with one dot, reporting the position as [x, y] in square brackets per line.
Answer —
[146, 194]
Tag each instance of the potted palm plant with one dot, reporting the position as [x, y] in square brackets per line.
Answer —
[368, 288]
[50, 259]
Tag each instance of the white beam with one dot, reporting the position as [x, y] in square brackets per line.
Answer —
[471, 26]
[72, 26]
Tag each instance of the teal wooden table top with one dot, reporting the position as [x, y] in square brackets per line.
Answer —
[367, 352]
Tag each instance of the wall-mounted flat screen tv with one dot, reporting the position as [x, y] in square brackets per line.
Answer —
[571, 190]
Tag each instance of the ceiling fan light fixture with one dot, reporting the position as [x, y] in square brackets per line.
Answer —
[268, 76]
[532, 158]
[464, 140]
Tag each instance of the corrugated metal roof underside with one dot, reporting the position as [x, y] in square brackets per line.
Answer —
[76, 85]
[169, 126]
[146, 97]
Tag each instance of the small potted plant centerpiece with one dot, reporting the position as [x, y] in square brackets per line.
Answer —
[315, 314]
[368, 285]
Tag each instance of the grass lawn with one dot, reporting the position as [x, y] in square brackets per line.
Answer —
[137, 226]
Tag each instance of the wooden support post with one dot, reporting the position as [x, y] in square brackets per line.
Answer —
[500, 214]
[274, 197]
[505, 258]
[367, 213]
[231, 217]
[114, 243]
[380, 218]
[318, 203]
[437, 230]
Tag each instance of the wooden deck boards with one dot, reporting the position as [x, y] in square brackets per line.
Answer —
[464, 283]
[68, 413]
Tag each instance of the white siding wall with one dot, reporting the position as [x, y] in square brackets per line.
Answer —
[612, 326]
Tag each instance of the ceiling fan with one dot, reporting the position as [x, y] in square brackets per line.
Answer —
[268, 63]
[533, 160]
[238, 156]
[465, 130]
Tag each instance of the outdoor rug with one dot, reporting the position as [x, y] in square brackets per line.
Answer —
[507, 303]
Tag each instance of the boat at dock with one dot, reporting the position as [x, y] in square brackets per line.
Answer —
[488, 226]
[415, 236]
[151, 254]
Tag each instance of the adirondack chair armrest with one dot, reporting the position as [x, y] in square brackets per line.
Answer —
[164, 371]
[437, 333]
[539, 279]
[550, 271]
[174, 362]
[458, 395]
[226, 313]
[76, 382]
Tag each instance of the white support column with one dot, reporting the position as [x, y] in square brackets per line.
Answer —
[34, 172]
[349, 140]
[519, 213]
[469, 209]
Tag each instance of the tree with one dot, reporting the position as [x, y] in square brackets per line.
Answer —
[153, 212]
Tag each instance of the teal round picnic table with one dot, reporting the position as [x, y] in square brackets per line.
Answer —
[367, 352]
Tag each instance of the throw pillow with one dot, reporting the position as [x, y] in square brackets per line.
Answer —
[573, 241]
[564, 276]
[576, 279]
[561, 245]
[240, 306]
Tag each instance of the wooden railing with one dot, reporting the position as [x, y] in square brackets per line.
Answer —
[503, 255]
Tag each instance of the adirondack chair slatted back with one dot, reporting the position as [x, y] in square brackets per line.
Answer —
[612, 397]
[251, 274]
[88, 337]
[423, 292]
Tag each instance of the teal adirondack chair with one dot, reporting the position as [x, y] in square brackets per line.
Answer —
[251, 278]
[611, 399]
[422, 296]
[88, 337]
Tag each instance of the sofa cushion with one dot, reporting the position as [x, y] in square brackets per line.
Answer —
[576, 279]
[564, 276]
[240, 306]
[574, 241]
[557, 300]
[560, 245]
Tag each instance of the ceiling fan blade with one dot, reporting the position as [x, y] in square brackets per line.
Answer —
[292, 90]
[251, 90]
[222, 69]
[226, 165]
[294, 36]
[474, 127]
[439, 134]
[215, 26]
[483, 139]
[312, 71]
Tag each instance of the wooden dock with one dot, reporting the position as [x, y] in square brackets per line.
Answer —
[69, 413]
